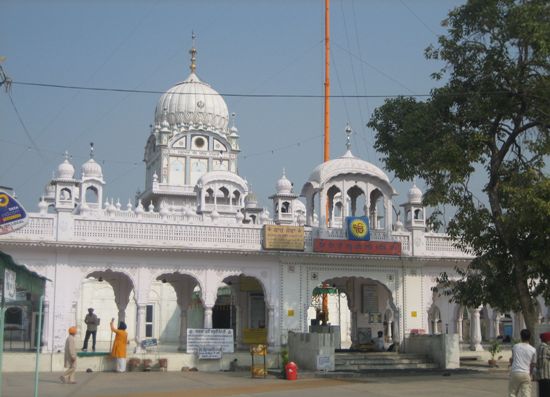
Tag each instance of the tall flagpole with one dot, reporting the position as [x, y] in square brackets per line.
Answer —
[327, 81]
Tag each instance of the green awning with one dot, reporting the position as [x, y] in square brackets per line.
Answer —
[25, 280]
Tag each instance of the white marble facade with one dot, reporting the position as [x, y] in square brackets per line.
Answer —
[188, 252]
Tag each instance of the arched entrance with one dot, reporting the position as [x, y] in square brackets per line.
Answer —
[358, 308]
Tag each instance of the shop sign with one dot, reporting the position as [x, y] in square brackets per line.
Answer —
[280, 237]
[12, 214]
[357, 247]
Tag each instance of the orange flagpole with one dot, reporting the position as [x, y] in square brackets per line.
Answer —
[326, 156]
[327, 81]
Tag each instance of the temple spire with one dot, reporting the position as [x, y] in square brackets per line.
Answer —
[193, 52]
[348, 137]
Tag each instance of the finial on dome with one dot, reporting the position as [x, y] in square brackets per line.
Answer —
[91, 150]
[348, 136]
[66, 155]
[233, 117]
[193, 52]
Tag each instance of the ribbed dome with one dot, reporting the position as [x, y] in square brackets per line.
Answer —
[415, 195]
[251, 201]
[284, 186]
[347, 164]
[65, 170]
[91, 169]
[193, 104]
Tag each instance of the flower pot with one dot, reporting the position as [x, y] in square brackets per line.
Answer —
[147, 363]
[133, 364]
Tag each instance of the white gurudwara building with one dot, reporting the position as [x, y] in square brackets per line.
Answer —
[195, 250]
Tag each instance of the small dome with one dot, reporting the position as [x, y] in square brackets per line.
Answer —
[251, 200]
[49, 191]
[193, 104]
[284, 186]
[347, 164]
[65, 170]
[415, 195]
[91, 169]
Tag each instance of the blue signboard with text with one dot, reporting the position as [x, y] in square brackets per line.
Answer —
[358, 227]
[12, 214]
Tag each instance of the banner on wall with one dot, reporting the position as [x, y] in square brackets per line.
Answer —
[12, 214]
[358, 228]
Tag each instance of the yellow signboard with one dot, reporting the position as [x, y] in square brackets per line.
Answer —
[279, 237]
[413, 314]
[290, 312]
[254, 336]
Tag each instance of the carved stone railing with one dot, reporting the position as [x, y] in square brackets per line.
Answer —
[442, 245]
[151, 229]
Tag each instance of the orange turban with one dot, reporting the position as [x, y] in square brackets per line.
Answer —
[72, 330]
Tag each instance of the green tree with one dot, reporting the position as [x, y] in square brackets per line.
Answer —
[490, 117]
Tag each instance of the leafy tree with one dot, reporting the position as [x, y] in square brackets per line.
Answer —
[490, 117]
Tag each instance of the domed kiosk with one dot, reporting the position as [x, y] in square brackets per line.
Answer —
[348, 186]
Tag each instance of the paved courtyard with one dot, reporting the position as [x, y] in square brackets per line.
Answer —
[208, 384]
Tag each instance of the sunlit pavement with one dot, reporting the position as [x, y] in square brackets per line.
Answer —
[208, 384]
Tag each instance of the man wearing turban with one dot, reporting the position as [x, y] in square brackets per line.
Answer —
[70, 358]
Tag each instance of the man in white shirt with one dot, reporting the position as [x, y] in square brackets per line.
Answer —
[524, 357]
[379, 345]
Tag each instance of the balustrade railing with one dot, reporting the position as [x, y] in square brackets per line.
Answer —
[152, 229]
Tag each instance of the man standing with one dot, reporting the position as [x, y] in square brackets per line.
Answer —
[92, 322]
[524, 357]
[70, 358]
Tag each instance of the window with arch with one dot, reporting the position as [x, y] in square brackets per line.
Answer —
[92, 195]
[65, 194]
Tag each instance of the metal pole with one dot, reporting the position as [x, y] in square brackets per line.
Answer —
[38, 344]
[2, 312]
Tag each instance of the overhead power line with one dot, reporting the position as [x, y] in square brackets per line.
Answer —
[136, 91]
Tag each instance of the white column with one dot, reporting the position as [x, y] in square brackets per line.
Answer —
[207, 316]
[140, 325]
[475, 330]
[496, 325]
[389, 334]
[46, 327]
[183, 330]
[459, 327]
[323, 209]
[270, 327]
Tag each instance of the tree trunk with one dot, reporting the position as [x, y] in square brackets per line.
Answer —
[526, 301]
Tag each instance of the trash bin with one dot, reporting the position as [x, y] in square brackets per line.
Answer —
[291, 371]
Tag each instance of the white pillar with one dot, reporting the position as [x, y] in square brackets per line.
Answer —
[459, 325]
[270, 326]
[183, 330]
[475, 330]
[46, 327]
[389, 334]
[496, 325]
[140, 325]
[208, 317]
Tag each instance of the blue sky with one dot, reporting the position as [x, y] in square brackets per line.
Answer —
[244, 47]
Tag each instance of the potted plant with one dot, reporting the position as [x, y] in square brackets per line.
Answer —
[493, 350]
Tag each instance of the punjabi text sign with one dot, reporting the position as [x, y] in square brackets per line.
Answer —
[279, 237]
[357, 247]
[209, 338]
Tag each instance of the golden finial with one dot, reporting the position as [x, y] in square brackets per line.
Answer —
[193, 53]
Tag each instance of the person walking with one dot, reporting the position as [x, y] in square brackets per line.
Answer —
[92, 322]
[119, 346]
[524, 357]
[70, 358]
[543, 365]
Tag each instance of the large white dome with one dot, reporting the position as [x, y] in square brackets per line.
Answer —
[193, 104]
